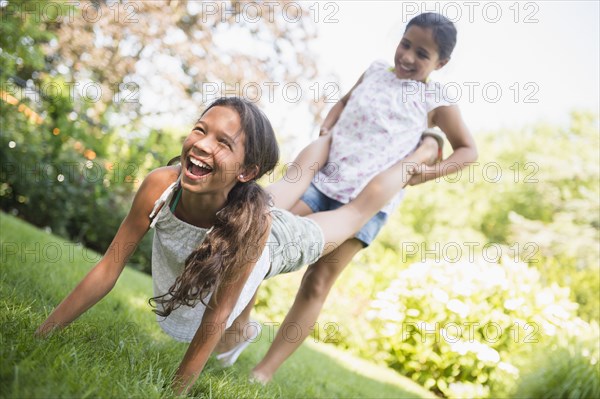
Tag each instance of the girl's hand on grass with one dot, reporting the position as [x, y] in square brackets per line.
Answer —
[44, 330]
[180, 387]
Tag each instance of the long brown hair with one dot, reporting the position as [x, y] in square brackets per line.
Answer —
[239, 224]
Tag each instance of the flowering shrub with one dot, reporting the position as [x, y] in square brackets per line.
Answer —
[460, 329]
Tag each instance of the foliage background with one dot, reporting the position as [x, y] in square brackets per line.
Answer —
[90, 128]
[530, 207]
[513, 242]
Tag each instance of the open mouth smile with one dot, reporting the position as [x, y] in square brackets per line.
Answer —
[197, 169]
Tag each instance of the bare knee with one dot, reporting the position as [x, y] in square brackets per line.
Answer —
[316, 284]
[320, 277]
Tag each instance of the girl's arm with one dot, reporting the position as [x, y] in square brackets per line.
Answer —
[286, 191]
[449, 119]
[101, 279]
[334, 113]
[212, 326]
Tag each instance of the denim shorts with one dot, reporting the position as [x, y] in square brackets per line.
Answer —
[319, 202]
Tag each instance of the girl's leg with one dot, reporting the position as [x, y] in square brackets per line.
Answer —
[320, 277]
[238, 331]
[234, 335]
[288, 190]
[316, 284]
[340, 224]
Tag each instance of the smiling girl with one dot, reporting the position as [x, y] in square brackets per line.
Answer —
[378, 123]
[212, 224]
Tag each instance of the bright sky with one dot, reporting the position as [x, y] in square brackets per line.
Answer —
[515, 63]
[543, 55]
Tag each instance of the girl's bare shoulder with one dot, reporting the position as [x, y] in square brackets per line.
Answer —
[156, 182]
[163, 176]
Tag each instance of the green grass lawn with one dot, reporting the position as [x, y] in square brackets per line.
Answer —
[117, 349]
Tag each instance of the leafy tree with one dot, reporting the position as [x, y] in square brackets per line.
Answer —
[101, 78]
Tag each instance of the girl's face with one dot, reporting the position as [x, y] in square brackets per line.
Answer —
[417, 55]
[212, 156]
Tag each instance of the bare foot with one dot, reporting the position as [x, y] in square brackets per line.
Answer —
[430, 146]
[259, 378]
[236, 334]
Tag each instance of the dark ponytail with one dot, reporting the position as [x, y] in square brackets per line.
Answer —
[228, 245]
[239, 225]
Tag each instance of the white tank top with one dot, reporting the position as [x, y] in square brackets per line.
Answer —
[174, 240]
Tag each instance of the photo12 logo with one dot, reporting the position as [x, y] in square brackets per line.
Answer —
[474, 92]
[68, 11]
[271, 92]
[463, 334]
[266, 11]
[474, 11]
[89, 91]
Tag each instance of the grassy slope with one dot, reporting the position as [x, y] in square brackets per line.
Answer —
[118, 350]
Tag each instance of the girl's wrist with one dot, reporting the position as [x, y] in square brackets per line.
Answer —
[324, 130]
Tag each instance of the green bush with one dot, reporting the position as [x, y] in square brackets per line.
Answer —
[544, 212]
[567, 368]
[57, 182]
[458, 329]
[66, 163]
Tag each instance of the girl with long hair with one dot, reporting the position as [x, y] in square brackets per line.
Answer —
[216, 234]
